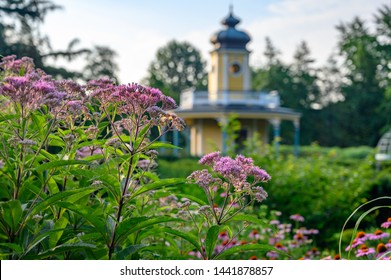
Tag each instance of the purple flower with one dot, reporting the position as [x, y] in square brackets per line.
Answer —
[386, 224]
[297, 218]
[88, 151]
[254, 234]
[260, 194]
[203, 178]
[272, 255]
[378, 234]
[356, 242]
[260, 174]
[362, 236]
[13, 66]
[382, 251]
[228, 168]
[209, 159]
[365, 251]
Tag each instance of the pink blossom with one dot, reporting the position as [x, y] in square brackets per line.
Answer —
[386, 224]
[378, 234]
[209, 159]
[356, 242]
[88, 151]
[260, 174]
[297, 218]
[365, 251]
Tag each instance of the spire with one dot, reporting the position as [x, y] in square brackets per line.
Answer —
[230, 20]
[230, 37]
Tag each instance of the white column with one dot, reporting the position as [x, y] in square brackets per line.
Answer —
[246, 73]
[225, 78]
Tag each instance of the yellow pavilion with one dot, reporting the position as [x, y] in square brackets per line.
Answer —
[229, 92]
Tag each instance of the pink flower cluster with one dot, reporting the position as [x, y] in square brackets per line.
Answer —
[234, 172]
[364, 246]
[31, 88]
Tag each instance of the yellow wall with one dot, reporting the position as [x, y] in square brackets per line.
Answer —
[211, 136]
[235, 81]
[206, 136]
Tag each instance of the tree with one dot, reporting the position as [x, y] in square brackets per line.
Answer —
[101, 64]
[177, 66]
[363, 92]
[20, 35]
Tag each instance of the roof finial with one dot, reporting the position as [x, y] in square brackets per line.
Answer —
[231, 8]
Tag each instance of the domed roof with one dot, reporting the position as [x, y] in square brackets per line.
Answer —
[230, 38]
[384, 147]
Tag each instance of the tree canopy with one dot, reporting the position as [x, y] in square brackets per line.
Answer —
[177, 66]
[20, 35]
[348, 101]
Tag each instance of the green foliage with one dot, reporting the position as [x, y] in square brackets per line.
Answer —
[323, 184]
[20, 35]
[346, 102]
[177, 66]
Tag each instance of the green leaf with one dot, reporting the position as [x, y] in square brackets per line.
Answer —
[156, 185]
[141, 135]
[192, 198]
[56, 235]
[260, 248]
[59, 163]
[14, 247]
[159, 145]
[39, 123]
[184, 235]
[69, 195]
[128, 251]
[131, 225]
[96, 222]
[66, 248]
[110, 181]
[48, 155]
[37, 240]
[211, 239]
[11, 211]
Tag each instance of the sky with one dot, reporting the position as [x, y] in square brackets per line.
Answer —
[135, 29]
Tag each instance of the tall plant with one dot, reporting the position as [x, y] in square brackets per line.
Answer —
[75, 161]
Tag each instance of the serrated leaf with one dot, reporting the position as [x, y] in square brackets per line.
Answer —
[59, 163]
[132, 225]
[69, 195]
[65, 248]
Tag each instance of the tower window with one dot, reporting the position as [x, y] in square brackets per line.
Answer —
[235, 68]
